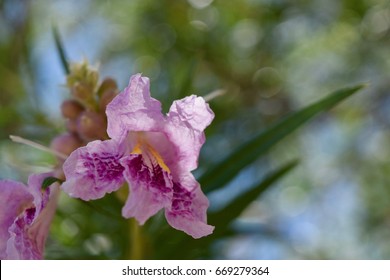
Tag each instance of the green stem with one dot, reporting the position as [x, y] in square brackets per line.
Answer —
[136, 241]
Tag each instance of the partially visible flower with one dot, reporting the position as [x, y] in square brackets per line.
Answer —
[154, 153]
[25, 217]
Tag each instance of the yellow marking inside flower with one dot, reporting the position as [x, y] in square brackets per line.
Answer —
[143, 147]
[137, 149]
[157, 156]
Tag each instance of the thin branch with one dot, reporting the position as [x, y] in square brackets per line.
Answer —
[18, 139]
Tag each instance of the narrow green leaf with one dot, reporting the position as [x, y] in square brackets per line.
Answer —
[184, 78]
[50, 180]
[222, 218]
[224, 171]
[60, 49]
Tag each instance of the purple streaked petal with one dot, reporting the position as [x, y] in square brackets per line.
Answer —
[186, 121]
[29, 229]
[134, 110]
[39, 230]
[20, 245]
[150, 187]
[188, 209]
[94, 170]
[162, 145]
[14, 198]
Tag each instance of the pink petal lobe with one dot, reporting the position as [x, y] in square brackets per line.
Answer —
[186, 121]
[94, 170]
[134, 110]
[188, 211]
[29, 230]
[14, 198]
[192, 111]
[20, 245]
[150, 187]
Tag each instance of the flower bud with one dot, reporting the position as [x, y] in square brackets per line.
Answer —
[83, 93]
[82, 81]
[106, 98]
[108, 84]
[91, 126]
[71, 109]
[83, 73]
[66, 143]
[71, 125]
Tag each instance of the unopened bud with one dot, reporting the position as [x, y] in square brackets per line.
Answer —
[82, 72]
[106, 98]
[82, 81]
[91, 126]
[71, 125]
[108, 84]
[83, 93]
[66, 143]
[71, 109]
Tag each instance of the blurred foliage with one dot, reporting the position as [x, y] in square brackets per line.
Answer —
[272, 58]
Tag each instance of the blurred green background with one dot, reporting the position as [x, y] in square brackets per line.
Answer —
[272, 57]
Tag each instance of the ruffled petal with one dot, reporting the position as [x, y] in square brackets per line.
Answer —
[94, 170]
[186, 121]
[14, 198]
[193, 111]
[29, 231]
[134, 110]
[188, 210]
[150, 187]
[20, 245]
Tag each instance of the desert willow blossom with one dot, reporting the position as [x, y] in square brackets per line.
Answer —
[153, 153]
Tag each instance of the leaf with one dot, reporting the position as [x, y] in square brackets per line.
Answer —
[50, 180]
[60, 49]
[224, 171]
[184, 78]
[222, 218]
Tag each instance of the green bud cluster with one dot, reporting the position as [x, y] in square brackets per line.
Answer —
[82, 82]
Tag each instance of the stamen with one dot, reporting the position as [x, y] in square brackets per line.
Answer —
[18, 139]
[144, 148]
[214, 94]
[158, 158]
[152, 154]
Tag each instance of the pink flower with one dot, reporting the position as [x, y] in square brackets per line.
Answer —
[25, 217]
[153, 153]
